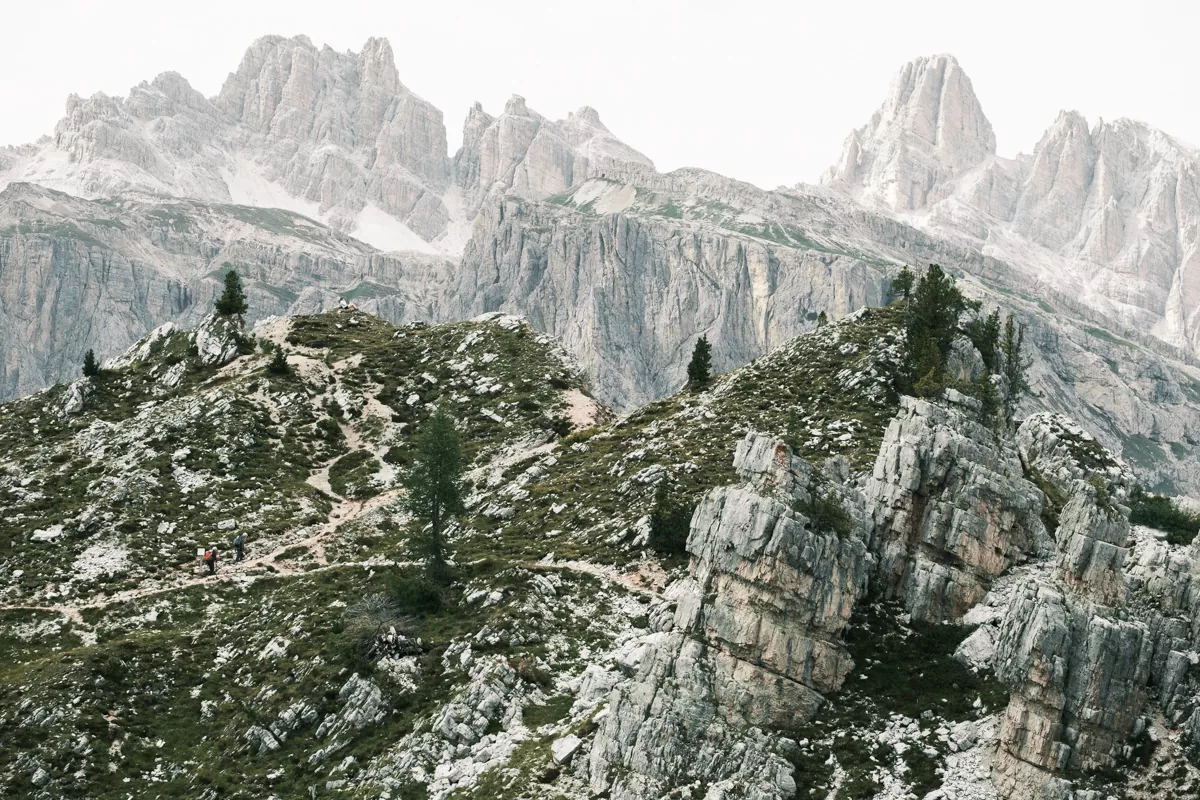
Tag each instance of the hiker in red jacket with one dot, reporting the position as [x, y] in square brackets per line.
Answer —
[210, 559]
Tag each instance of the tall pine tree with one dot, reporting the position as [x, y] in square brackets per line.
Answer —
[700, 368]
[233, 300]
[1013, 366]
[435, 487]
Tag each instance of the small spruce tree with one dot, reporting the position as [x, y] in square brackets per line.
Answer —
[279, 363]
[1013, 366]
[989, 398]
[435, 487]
[902, 284]
[91, 367]
[699, 370]
[233, 299]
[822, 320]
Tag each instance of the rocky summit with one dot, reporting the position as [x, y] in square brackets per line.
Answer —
[333, 464]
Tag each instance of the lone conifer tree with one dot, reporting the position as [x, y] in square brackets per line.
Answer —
[902, 284]
[700, 367]
[91, 367]
[822, 319]
[233, 300]
[1013, 365]
[279, 364]
[435, 490]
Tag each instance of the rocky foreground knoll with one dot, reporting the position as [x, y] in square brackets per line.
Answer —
[877, 595]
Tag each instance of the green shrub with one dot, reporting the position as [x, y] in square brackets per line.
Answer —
[826, 513]
[350, 475]
[416, 594]
[1156, 511]
[669, 523]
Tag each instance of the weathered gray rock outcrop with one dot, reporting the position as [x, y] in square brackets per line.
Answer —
[951, 509]
[1078, 675]
[1078, 657]
[754, 641]
[1062, 452]
[1093, 542]
[767, 586]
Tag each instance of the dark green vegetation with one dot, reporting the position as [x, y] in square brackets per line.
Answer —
[435, 488]
[699, 369]
[931, 322]
[350, 476]
[279, 363]
[179, 693]
[669, 523]
[139, 479]
[1155, 511]
[91, 367]
[933, 319]
[165, 448]
[233, 300]
[905, 673]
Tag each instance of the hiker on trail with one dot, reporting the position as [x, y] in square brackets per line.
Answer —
[210, 559]
[239, 547]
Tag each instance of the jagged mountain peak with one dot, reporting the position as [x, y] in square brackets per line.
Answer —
[930, 129]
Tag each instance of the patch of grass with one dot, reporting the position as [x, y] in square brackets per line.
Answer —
[350, 476]
[553, 710]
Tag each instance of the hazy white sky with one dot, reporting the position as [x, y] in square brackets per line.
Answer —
[762, 91]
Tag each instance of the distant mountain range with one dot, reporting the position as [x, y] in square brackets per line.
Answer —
[319, 175]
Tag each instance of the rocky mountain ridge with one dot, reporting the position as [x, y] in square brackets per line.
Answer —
[869, 602]
[334, 136]
[1106, 212]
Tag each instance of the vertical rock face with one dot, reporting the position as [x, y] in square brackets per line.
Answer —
[340, 130]
[1093, 542]
[754, 640]
[950, 508]
[630, 294]
[1078, 655]
[1060, 451]
[78, 275]
[930, 130]
[1078, 676]
[779, 591]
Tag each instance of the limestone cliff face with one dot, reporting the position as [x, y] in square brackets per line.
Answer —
[523, 152]
[930, 130]
[753, 643]
[631, 294]
[951, 510]
[340, 130]
[1084, 647]
[78, 275]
